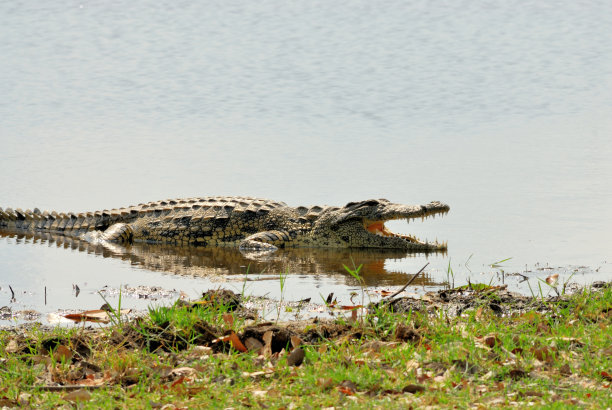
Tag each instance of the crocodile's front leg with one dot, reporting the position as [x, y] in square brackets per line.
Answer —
[267, 241]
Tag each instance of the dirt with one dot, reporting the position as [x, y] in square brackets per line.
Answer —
[455, 302]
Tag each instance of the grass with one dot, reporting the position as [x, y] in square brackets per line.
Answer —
[557, 359]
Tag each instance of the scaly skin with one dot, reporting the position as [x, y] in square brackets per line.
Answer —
[248, 223]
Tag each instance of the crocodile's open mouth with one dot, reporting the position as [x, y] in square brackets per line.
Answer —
[378, 228]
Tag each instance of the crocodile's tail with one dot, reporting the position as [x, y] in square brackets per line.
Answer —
[63, 223]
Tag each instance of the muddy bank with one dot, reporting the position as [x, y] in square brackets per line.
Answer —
[454, 302]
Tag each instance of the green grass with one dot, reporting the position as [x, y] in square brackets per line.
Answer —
[556, 359]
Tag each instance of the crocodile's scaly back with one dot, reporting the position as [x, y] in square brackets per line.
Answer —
[250, 223]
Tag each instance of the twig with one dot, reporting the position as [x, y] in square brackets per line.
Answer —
[71, 387]
[13, 294]
[407, 284]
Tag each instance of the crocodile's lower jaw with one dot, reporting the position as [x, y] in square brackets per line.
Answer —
[378, 228]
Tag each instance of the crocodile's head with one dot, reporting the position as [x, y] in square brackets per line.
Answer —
[362, 225]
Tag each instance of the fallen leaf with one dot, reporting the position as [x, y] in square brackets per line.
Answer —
[183, 372]
[62, 353]
[412, 365]
[236, 343]
[296, 357]
[375, 346]
[606, 376]
[413, 388]
[347, 387]
[348, 307]
[253, 344]
[552, 279]
[12, 347]
[565, 370]
[544, 354]
[78, 395]
[257, 374]
[492, 341]
[228, 318]
[517, 374]
[6, 402]
[266, 350]
[97, 315]
[295, 341]
[24, 399]
[178, 381]
[90, 380]
[325, 383]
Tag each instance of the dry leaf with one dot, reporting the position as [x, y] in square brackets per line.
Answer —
[78, 395]
[347, 387]
[606, 376]
[413, 388]
[543, 354]
[492, 341]
[236, 343]
[412, 365]
[62, 353]
[183, 372]
[517, 373]
[355, 307]
[266, 351]
[90, 380]
[565, 370]
[253, 344]
[296, 357]
[97, 315]
[258, 374]
[552, 279]
[24, 399]
[325, 383]
[178, 382]
[228, 318]
[295, 341]
[12, 347]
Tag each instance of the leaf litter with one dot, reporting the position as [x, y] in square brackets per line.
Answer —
[445, 346]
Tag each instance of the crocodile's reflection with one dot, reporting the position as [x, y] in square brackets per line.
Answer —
[207, 262]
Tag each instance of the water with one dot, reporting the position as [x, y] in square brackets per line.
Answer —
[499, 110]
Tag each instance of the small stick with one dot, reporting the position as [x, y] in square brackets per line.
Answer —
[407, 284]
[13, 294]
[45, 296]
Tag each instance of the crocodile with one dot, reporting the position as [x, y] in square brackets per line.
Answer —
[251, 224]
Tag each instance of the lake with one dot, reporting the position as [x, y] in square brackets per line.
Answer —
[499, 109]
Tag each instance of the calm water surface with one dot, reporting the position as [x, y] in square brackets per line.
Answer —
[500, 109]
